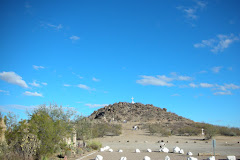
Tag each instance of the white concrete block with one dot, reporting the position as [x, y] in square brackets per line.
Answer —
[231, 158]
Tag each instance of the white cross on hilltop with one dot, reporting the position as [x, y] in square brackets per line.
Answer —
[132, 100]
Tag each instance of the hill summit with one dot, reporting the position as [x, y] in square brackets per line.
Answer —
[136, 112]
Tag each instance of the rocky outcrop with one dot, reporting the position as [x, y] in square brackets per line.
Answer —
[136, 112]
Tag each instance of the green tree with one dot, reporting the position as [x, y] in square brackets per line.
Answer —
[51, 125]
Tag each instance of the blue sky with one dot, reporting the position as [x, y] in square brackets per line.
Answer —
[180, 55]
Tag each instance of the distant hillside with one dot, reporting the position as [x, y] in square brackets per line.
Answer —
[136, 112]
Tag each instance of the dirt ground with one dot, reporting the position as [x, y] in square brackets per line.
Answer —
[130, 140]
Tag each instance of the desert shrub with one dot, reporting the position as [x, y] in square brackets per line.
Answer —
[210, 131]
[3, 149]
[189, 130]
[29, 145]
[87, 129]
[83, 128]
[158, 129]
[95, 145]
[79, 151]
[68, 153]
[236, 131]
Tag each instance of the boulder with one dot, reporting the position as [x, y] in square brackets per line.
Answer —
[176, 150]
[146, 158]
[189, 153]
[192, 158]
[164, 149]
[167, 158]
[110, 150]
[120, 150]
[211, 158]
[149, 150]
[99, 157]
[181, 151]
[137, 151]
[123, 158]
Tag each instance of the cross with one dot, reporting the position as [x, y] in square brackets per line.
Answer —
[202, 131]
[132, 100]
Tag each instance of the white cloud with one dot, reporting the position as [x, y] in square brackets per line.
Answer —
[156, 81]
[95, 79]
[44, 83]
[228, 86]
[12, 77]
[191, 12]
[66, 85]
[223, 93]
[201, 4]
[218, 44]
[216, 69]
[82, 86]
[206, 85]
[74, 38]
[224, 42]
[184, 78]
[27, 93]
[38, 67]
[35, 84]
[162, 80]
[202, 72]
[205, 43]
[193, 85]
[96, 105]
[4, 92]
[57, 27]
[80, 77]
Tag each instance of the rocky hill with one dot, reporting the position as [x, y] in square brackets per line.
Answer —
[137, 112]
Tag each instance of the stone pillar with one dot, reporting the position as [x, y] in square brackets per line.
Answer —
[3, 129]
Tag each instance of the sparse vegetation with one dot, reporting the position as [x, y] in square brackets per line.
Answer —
[158, 129]
[191, 130]
[86, 129]
[188, 130]
[42, 135]
[94, 145]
